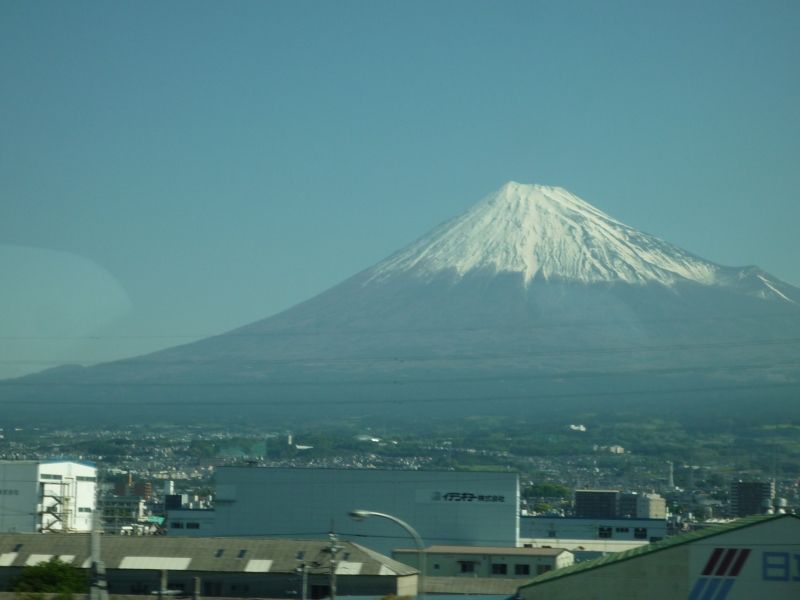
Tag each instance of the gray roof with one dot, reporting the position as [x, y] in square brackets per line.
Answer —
[472, 585]
[197, 554]
[492, 550]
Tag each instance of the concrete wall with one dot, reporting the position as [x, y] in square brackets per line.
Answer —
[450, 564]
[19, 485]
[245, 585]
[185, 522]
[445, 507]
[589, 529]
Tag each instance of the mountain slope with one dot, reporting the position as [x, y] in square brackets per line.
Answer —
[531, 295]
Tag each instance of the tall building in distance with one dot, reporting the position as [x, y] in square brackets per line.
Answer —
[613, 504]
[597, 504]
[651, 506]
[751, 497]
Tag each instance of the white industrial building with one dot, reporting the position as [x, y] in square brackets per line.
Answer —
[576, 528]
[47, 496]
[590, 537]
[445, 507]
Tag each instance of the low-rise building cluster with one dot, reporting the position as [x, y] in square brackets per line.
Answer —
[289, 532]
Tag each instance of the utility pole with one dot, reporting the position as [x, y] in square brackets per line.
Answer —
[162, 586]
[99, 587]
[334, 548]
[302, 570]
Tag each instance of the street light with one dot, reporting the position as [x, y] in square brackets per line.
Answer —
[360, 515]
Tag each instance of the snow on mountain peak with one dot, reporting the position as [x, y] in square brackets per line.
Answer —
[544, 232]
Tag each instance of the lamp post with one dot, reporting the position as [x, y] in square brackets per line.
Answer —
[360, 515]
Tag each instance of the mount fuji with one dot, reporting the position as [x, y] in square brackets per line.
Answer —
[531, 299]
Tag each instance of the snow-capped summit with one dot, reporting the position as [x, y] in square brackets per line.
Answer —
[546, 232]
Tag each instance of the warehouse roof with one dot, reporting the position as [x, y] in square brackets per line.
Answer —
[582, 545]
[510, 551]
[672, 542]
[256, 555]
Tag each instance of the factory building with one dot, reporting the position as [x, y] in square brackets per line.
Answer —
[640, 530]
[47, 496]
[191, 521]
[751, 558]
[482, 562]
[751, 497]
[445, 507]
[238, 567]
[589, 538]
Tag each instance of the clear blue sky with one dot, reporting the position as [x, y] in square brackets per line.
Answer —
[170, 170]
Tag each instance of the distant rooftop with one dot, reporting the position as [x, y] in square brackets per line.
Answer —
[471, 586]
[511, 551]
